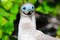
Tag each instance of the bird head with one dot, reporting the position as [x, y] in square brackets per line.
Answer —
[27, 9]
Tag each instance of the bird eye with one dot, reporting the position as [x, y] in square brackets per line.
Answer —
[24, 8]
[32, 7]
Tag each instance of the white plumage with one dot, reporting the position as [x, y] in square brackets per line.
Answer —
[27, 26]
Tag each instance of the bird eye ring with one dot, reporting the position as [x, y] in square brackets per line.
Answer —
[24, 8]
[32, 7]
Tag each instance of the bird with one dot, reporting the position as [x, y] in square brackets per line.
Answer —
[27, 25]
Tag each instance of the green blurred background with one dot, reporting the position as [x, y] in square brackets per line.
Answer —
[10, 8]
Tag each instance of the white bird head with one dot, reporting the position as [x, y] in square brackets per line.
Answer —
[27, 9]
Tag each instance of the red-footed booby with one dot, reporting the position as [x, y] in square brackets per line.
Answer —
[27, 26]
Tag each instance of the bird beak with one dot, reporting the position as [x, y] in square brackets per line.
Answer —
[30, 12]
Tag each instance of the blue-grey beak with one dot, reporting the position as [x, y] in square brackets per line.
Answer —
[30, 12]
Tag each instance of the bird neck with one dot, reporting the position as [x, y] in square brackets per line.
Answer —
[28, 22]
[27, 28]
[26, 17]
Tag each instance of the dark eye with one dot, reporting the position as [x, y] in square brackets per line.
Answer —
[24, 8]
[32, 7]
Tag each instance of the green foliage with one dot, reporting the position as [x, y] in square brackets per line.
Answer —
[8, 5]
[8, 12]
[58, 31]
[5, 37]
[0, 33]
[46, 8]
[32, 1]
[14, 9]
